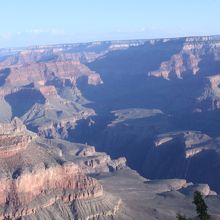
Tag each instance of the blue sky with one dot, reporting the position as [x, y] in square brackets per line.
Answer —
[32, 22]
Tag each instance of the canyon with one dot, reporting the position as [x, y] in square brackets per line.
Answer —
[56, 179]
[110, 130]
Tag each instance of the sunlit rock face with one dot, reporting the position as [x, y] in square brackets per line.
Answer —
[188, 59]
[34, 72]
[14, 138]
[33, 177]
[211, 92]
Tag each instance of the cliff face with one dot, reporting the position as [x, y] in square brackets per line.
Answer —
[52, 85]
[13, 138]
[164, 87]
[64, 183]
[211, 92]
[188, 60]
[47, 77]
[33, 177]
[78, 52]
[46, 180]
[199, 57]
[43, 72]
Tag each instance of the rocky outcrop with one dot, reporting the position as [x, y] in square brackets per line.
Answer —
[117, 164]
[58, 127]
[100, 163]
[51, 108]
[211, 93]
[14, 127]
[38, 72]
[48, 91]
[188, 59]
[177, 65]
[64, 183]
[33, 177]
[11, 145]
[194, 142]
[86, 152]
[14, 138]
[94, 79]
[89, 160]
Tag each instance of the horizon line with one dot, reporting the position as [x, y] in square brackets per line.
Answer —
[36, 46]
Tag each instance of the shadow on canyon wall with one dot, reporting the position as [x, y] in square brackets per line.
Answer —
[127, 85]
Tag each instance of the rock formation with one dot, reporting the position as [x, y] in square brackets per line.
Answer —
[188, 59]
[33, 177]
[45, 180]
[152, 103]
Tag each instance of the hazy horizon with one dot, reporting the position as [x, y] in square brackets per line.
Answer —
[59, 22]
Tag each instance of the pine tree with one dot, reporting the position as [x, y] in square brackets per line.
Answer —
[201, 207]
[180, 217]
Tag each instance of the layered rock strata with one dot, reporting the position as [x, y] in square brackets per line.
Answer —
[33, 177]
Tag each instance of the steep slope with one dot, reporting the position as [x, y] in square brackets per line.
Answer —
[45, 179]
[178, 77]
[39, 84]
[34, 177]
[32, 92]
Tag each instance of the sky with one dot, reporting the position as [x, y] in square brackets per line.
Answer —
[36, 22]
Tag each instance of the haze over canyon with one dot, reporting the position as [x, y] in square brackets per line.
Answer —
[110, 129]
